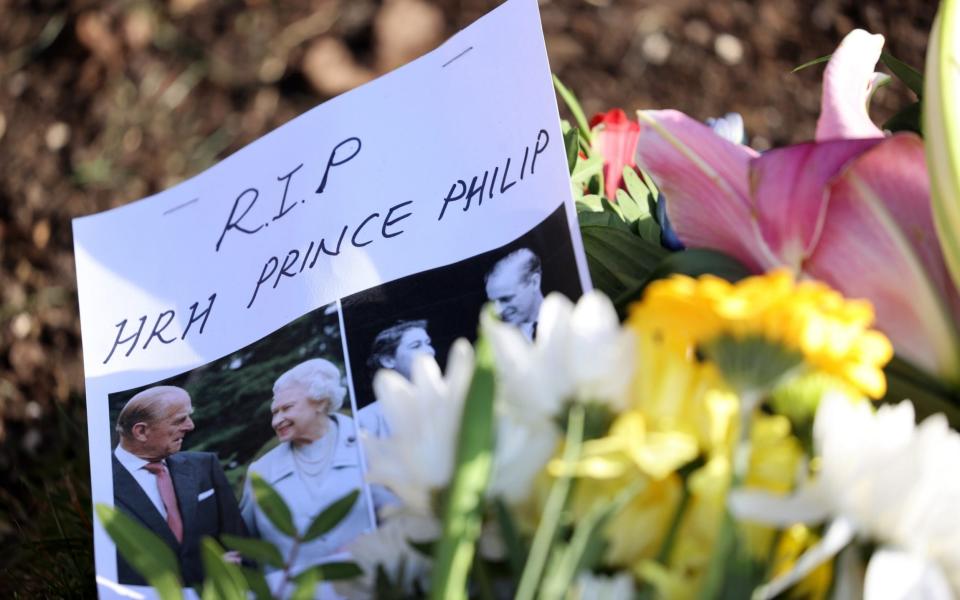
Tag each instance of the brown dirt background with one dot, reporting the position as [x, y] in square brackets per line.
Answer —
[102, 104]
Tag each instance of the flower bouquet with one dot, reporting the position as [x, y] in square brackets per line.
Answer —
[732, 413]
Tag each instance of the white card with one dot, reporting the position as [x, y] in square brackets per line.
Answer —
[390, 206]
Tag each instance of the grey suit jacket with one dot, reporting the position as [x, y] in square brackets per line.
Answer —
[195, 475]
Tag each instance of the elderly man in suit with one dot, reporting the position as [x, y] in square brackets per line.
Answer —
[180, 496]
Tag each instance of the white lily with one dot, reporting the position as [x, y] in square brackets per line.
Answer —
[882, 479]
[424, 415]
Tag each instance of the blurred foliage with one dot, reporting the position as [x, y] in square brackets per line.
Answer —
[45, 521]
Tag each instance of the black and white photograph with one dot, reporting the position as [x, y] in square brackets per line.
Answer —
[425, 313]
[185, 448]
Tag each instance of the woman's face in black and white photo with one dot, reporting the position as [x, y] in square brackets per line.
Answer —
[414, 341]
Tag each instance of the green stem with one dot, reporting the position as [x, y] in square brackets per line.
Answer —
[557, 498]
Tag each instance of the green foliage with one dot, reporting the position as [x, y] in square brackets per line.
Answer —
[464, 502]
[907, 119]
[910, 77]
[224, 580]
[618, 259]
[571, 142]
[573, 104]
[331, 516]
[547, 531]
[145, 552]
[272, 505]
[693, 262]
[586, 546]
[46, 527]
[261, 551]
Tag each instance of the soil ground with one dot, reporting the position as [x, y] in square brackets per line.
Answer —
[102, 104]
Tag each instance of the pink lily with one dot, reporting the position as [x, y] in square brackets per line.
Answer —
[616, 137]
[851, 209]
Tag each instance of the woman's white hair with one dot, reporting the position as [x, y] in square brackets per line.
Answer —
[321, 379]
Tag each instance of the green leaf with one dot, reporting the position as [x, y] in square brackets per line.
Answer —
[571, 141]
[257, 583]
[811, 63]
[908, 119]
[463, 511]
[637, 189]
[587, 545]
[272, 505]
[516, 548]
[929, 395]
[693, 262]
[147, 554]
[590, 203]
[587, 170]
[331, 516]
[618, 259]
[602, 218]
[574, 105]
[259, 550]
[306, 585]
[911, 77]
[545, 538]
[425, 549]
[224, 580]
[336, 571]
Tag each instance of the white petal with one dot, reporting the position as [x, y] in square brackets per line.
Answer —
[804, 506]
[897, 575]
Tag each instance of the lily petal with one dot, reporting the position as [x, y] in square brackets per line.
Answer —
[705, 178]
[878, 242]
[789, 191]
[847, 85]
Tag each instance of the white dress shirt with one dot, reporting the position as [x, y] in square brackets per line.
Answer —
[146, 479]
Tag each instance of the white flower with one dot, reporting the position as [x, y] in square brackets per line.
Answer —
[882, 479]
[424, 416]
[388, 547]
[581, 353]
[600, 587]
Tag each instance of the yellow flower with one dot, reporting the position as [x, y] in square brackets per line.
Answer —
[636, 531]
[793, 542]
[768, 319]
[775, 456]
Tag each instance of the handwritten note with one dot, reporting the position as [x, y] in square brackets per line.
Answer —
[400, 200]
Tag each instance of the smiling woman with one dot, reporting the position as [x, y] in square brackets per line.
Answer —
[315, 464]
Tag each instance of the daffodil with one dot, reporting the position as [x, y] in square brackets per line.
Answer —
[851, 209]
[883, 479]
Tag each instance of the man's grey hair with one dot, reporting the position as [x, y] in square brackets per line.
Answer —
[523, 258]
[146, 406]
[321, 379]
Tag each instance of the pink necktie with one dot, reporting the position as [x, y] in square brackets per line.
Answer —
[169, 497]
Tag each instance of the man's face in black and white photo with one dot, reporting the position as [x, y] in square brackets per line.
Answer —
[515, 293]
